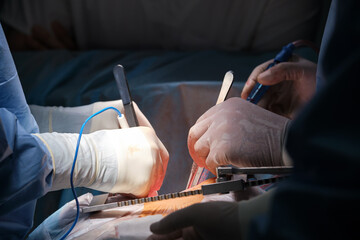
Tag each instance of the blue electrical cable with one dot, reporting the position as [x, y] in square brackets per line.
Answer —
[73, 166]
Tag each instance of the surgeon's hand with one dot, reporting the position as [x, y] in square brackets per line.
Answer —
[131, 160]
[237, 132]
[58, 223]
[211, 220]
[70, 119]
[294, 85]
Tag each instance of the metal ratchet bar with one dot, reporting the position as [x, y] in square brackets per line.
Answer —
[220, 187]
[222, 171]
[139, 201]
[237, 185]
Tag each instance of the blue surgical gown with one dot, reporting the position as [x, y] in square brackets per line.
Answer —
[25, 164]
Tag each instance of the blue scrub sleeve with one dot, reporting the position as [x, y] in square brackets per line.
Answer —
[25, 164]
[25, 175]
[11, 92]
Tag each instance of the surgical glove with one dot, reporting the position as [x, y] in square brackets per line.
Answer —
[240, 133]
[131, 160]
[293, 85]
[57, 119]
[58, 223]
[211, 220]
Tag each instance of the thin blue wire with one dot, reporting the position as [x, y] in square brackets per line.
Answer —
[73, 167]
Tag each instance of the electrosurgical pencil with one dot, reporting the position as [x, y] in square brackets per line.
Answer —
[283, 56]
[124, 91]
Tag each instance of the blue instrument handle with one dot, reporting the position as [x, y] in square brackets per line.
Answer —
[259, 90]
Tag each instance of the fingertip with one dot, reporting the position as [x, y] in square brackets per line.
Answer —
[154, 227]
[245, 92]
[195, 157]
[201, 150]
[200, 128]
[174, 222]
[249, 85]
[161, 227]
[195, 134]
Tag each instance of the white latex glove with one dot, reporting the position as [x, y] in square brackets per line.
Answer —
[131, 160]
[294, 85]
[70, 119]
[57, 224]
[237, 132]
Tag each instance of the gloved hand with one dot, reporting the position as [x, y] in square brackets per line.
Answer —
[57, 224]
[294, 85]
[130, 160]
[237, 132]
[70, 119]
[211, 220]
